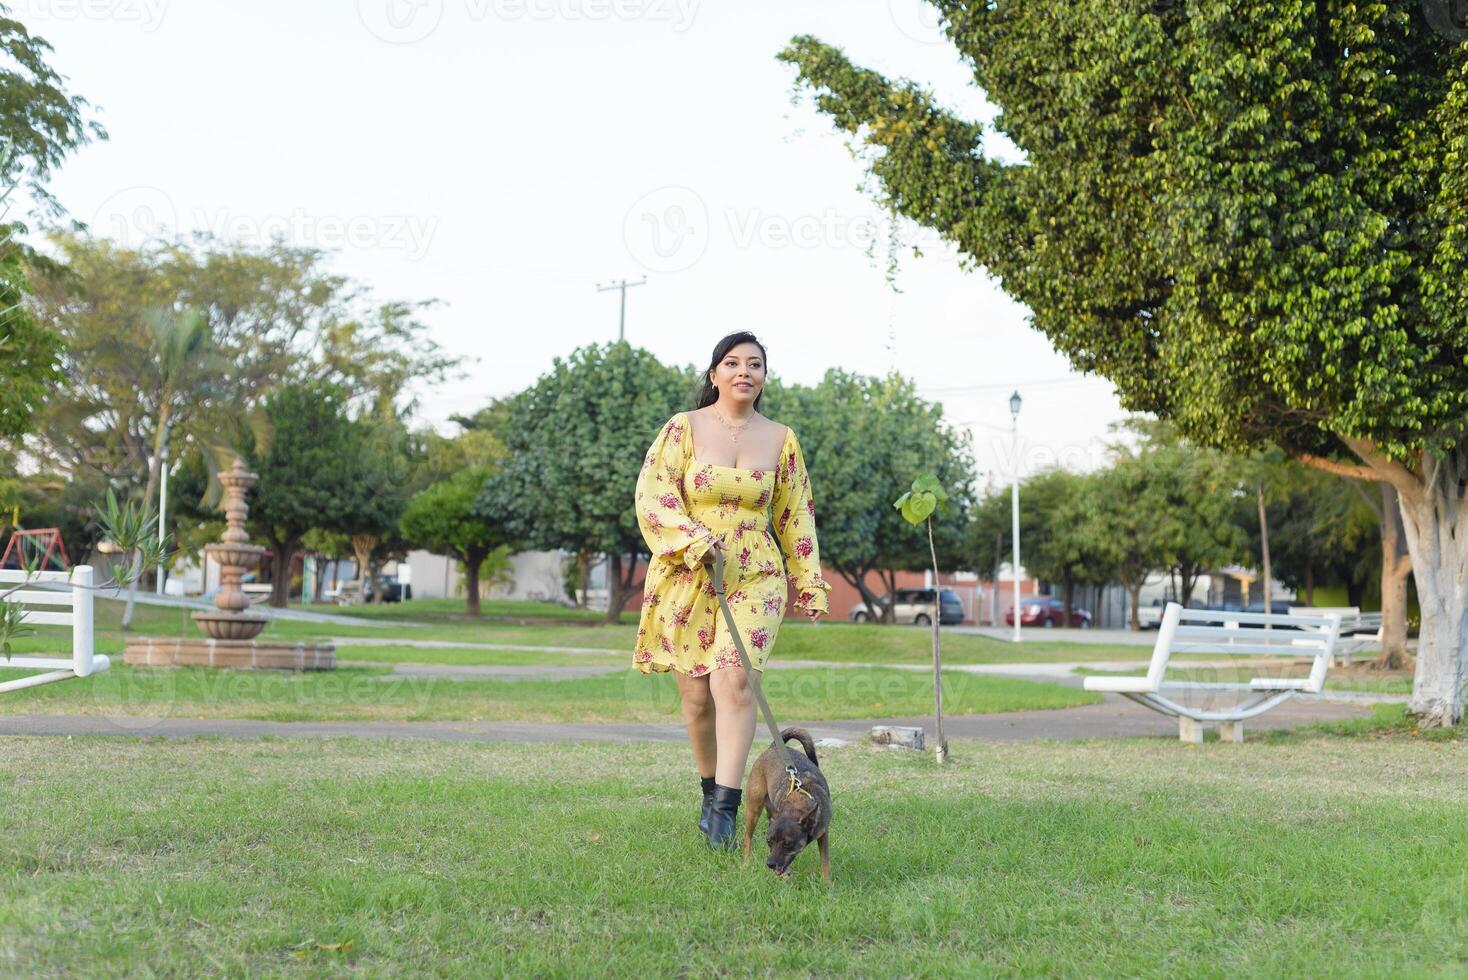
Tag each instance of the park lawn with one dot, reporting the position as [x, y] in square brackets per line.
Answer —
[832, 641]
[1305, 856]
[1336, 680]
[471, 656]
[369, 694]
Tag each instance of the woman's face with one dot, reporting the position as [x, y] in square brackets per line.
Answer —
[740, 376]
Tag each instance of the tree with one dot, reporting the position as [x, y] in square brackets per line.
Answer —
[374, 492]
[1247, 217]
[575, 441]
[863, 437]
[1054, 532]
[169, 339]
[305, 468]
[1120, 514]
[30, 355]
[442, 520]
[40, 123]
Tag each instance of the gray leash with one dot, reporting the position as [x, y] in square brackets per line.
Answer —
[754, 678]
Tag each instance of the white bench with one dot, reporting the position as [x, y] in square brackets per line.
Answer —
[1291, 635]
[1360, 631]
[59, 599]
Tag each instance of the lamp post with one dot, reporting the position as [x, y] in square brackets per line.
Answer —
[1014, 403]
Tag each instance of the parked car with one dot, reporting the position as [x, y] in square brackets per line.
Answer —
[1150, 617]
[392, 589]
[1047, 610]
[914, 606]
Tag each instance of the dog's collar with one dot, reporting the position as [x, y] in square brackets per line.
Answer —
[795, 785]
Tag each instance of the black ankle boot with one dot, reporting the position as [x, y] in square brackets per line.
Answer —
[722, 811]
[708, 799]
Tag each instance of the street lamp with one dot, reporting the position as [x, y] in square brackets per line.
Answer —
[1014, 403]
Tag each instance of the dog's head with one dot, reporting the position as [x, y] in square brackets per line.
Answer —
[791, 828]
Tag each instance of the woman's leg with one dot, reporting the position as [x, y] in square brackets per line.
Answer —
[734, 721]
[698, 717]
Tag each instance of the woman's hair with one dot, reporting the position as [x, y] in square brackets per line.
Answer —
[707, 393]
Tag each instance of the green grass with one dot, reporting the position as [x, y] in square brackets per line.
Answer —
[459, 657]
[362, 694]
[1312, 856]
[1354, 681]
[831, 641]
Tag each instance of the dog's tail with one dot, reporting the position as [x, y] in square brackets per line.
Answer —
[805, 741]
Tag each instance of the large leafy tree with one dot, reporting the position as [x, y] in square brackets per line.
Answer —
[442, 519]
[863, 437]
[40, 122]
[1248, 216]
[306, 461]
[575, 441]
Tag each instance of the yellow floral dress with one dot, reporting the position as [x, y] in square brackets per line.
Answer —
[683, 504]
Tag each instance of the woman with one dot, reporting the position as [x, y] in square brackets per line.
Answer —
[708, 481]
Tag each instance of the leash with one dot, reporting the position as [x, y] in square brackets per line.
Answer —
[749, 671]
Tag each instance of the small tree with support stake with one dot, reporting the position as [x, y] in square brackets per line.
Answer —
[917, 506]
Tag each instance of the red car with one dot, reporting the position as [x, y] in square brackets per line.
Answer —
[1047, 610]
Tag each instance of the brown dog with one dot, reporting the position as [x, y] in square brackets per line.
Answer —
[798, 815]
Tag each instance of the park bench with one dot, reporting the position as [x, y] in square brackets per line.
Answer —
[1288, 636]
[57, 599]
[1360, 632]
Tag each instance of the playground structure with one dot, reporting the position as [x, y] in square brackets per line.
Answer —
[47, 541]
[56, 599]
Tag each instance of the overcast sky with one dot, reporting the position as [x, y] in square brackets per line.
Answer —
[508, 156]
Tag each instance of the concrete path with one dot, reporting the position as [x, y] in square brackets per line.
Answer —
[1113, 719]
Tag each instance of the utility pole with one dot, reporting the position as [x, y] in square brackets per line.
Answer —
[622, 285]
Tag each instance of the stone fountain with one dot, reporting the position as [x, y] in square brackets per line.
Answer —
[231, 627]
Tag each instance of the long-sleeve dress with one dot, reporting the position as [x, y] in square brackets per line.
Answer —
[683, 504]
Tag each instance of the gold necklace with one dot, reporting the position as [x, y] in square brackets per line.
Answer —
[734, 430]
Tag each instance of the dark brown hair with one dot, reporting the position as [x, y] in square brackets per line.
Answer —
[707, 393]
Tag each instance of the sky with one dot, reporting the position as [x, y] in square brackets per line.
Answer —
[509, 157]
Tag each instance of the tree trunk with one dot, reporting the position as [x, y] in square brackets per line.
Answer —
[280, 570]
[1396, 565]
[1135, 591]
[858, 581]
[319, 577]
[1355, 592]
[618, 586]
[1435, 519]
[1309, 582]
[362, 545]
[889, 579]
[472, 561]
[1068, 589]
[1268, 606]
